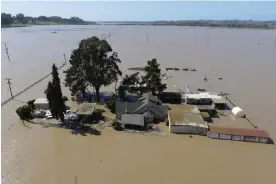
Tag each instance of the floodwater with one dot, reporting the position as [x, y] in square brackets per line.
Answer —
[245, 59]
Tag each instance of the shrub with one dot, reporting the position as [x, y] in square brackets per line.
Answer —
[65, 98]
[111, 105]
[31, 104]
[117, 125]
[24, 112]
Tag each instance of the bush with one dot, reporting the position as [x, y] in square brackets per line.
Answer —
[65, 98]
[111, 105]
[24, 112]
[117, 125]
[31, 104]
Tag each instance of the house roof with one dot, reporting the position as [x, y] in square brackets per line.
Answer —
[144, 104]
[148, 98]
[132, 119]
[86, 109]
[239, 131]
[121, 107]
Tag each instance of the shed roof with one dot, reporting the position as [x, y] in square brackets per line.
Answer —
[185, 114]
[239, 131]
[133, 119]
[218, 101]
[206, 107]
[203, 95]
[86, 109]
[41, 101]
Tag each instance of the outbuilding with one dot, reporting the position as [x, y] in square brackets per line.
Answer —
[238, 134]
[41, 103]
[186, 119]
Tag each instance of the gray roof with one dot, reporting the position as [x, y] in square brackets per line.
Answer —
[133, 119]
[144, 104]
[148, 98]
[86, 109]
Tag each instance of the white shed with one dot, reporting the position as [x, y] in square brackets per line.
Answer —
[238, 112]
[41, 103]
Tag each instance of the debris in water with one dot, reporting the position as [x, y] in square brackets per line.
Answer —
[185, 69]
[201, 89]
[193, 70]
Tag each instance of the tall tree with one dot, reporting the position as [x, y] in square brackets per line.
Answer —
[57, 101]
[129, 83]
[122, 92]
[75, 77]
[49, 93]
[21, 18]
[97, 61]
[153, 78]
[6, 19]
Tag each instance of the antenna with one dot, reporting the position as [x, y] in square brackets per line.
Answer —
[7, 52]
[9, 83]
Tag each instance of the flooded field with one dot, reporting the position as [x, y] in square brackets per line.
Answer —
[245, 59]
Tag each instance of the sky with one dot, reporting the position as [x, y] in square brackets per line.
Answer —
[145, 11]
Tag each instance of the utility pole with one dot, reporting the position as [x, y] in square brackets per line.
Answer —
[7, 52]
[9, 83]
[64, 59]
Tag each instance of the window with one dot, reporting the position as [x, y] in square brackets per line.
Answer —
[149, 118]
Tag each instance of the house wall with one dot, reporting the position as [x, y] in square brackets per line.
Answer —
[213, 135]
[237, 137]
[225, 136]
[202, 131]
[184, 129]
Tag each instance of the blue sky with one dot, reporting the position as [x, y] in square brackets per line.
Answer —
[146, 11]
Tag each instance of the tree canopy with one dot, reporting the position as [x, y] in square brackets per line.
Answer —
[153, 78]
[20, 18]
[54, 96]
[93, 63]
[6, 19]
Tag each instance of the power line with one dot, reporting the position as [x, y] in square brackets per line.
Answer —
[9, 83]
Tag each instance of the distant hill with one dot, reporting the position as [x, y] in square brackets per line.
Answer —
[7, 20]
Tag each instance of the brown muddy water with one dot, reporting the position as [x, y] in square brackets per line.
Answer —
[246, 59]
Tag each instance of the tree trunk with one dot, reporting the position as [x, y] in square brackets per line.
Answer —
[83, 92]
[97, 89]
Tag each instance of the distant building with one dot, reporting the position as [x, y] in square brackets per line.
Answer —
[171, 97]
[186, 119]
[238, 134]
[106, 96]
